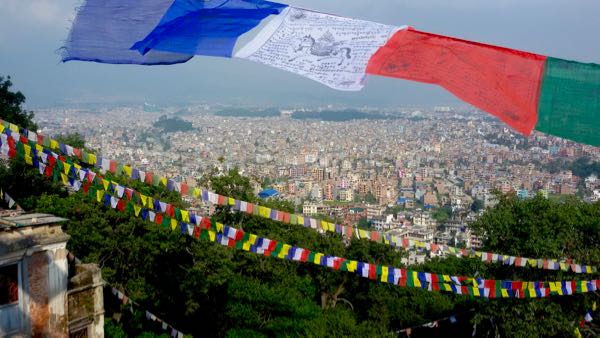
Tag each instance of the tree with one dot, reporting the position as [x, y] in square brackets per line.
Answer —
[74, 140]
[538, 227]
[10, 106]
[477, 205]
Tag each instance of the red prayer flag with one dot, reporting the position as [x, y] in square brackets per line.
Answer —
[372, 271]
[501, 81]
[113, 165]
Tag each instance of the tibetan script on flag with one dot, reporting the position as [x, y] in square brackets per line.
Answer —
[326, 48]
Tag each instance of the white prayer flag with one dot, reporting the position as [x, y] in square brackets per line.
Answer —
[326, 48]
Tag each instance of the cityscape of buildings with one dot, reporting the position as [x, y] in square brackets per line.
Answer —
[418, 174]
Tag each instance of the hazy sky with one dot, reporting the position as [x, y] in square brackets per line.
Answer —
[32, 30]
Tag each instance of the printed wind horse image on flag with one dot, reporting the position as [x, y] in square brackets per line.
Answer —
[525, 90]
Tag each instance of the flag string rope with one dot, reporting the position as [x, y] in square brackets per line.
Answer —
[125, 300]
[32, 139]
[208, 229]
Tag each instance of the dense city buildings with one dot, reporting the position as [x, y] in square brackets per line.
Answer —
[419, 174]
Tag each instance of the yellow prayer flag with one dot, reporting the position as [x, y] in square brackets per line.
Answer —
[553, 287]
[246, 246]
[588, 269]
[300, 220]
[476, 291]
[67, 168]
[362, 233]
[28, 160]
[77, 166]
[150, 202]
[185, 216]
[65, 179]
[1, 128]
[252, 239]
[99, 195]
[105, 183]
[594, 306]
[384, 274]
[163, 181]
[13, 128]
[27, 149]
[212, 235]
[285, 249]
[39, 148]
[532, 293]
[478, 254]
[318, 258]
[53, 144]
[416, 281]
[504, 293]
[144, 199]
[173, 223]
[352, 266]
[532, 262]
[127, 169]
[446, 278]
[219, 227]
[447, 287]
[584, 287]
[231, 201]
[92, 159]
[197, 192]
[137, 210]
[564, 267]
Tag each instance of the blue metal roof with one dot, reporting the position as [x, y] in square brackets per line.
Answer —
[268, 193]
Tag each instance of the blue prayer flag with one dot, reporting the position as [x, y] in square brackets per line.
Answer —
[104, 30]
[206, 27]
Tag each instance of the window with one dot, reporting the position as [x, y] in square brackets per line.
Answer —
[9, 284]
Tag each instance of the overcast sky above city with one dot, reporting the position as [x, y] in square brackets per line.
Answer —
[31, 31]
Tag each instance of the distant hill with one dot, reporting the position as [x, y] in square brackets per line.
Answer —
[172, 124]
[244, 112]
[339, 115]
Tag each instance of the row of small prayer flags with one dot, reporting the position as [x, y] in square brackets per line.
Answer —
[208, 229]
[265, 212]
[7, 199]
[149, 315]
[128, 301]
[434, 323]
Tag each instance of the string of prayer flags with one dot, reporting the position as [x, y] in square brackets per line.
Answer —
[7, 199]
[126, 300]
[149, 315]
[211, 230]
[322, 226]
[525, 90]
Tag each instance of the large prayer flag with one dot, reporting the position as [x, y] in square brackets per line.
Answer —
[329, 49]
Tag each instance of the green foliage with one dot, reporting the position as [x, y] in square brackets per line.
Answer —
[539, 227]
[442, 214]
[10, 106]
[74, 140]
[204, 289]
[477, 205]
[173, 124]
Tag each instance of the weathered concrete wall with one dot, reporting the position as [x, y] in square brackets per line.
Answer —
[38, 294]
